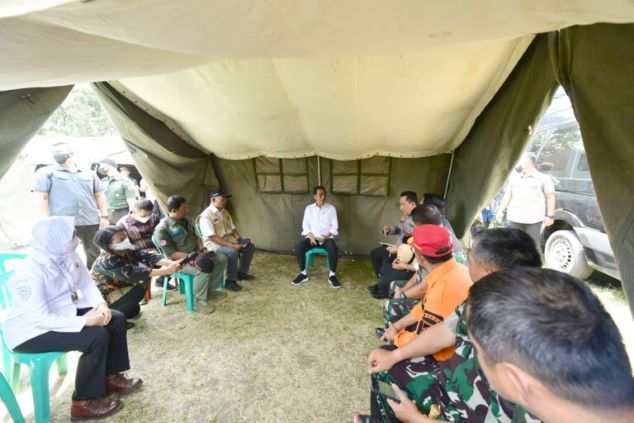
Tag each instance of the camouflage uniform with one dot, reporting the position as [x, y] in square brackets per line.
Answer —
[457, 386]
[395, 308]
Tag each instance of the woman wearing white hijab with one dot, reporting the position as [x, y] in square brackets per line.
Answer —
[57, 307]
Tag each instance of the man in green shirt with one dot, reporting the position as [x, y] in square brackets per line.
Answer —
[120, 191]
[176, 237]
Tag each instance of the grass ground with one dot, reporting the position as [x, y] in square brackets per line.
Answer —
[272, 353]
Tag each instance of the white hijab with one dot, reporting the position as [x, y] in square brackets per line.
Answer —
[53, 239]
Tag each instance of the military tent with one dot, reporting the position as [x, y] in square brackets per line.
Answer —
[269, 98]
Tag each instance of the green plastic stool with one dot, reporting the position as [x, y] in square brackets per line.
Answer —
[185, 286]
[39, 363]
[309, 257]
[9, 401]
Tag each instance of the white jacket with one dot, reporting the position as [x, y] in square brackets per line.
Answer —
[41, 294]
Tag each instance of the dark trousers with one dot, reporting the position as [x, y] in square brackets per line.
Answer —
[129, 303]
[389, 274]
[304, 245]
[237, 261]
[86, 233]
[533, 229]
[104, 352]
[379, 256]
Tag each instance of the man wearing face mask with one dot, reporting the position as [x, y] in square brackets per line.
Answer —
[530, 199]
[139, 226]
[63, 189]
[122, 271]
[120, 191]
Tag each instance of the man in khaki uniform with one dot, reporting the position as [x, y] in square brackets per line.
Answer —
[176, 237]
[120, 191]
[220, 235]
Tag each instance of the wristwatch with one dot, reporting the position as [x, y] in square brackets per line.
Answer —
[103, 217]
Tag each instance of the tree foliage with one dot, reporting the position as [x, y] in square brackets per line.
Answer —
[80, 115]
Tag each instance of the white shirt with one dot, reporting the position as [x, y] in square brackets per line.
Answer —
[42, 299]
[320, 221]
[528, 197]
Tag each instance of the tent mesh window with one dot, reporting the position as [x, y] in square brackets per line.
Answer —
[277, 176]
[361, 177]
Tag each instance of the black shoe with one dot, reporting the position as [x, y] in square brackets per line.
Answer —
[378, 295]
[379, 332]
[362, 418]
[245, 276]
[334, 282]
[161, 281]
[129, 325]
[299, 279]
[233, 286]
[372, 287]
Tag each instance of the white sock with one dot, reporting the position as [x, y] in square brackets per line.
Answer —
[331, 273]
[303, 272]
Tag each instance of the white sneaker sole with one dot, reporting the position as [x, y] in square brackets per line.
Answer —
[303, 281]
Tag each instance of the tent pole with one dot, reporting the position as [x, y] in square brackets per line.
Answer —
[453, 154]
[318, 170]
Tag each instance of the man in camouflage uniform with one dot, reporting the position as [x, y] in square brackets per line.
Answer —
[176, 236]
[120, 191]
[454, 389]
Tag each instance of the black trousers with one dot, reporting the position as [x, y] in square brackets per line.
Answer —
[379, 256]
[104, 352]
[86, 233]
[389, 274]
[129, 303]
[304, 245]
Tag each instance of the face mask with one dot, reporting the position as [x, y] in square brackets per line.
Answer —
[122, 246]
[142, 219]
[61, 158]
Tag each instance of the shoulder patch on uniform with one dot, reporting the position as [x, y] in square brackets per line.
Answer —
[24, 292]
[163, 243]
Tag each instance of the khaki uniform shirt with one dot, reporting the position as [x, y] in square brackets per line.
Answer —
[214, 222]
[118, 191]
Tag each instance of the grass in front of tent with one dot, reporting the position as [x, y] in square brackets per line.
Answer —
[271, 353]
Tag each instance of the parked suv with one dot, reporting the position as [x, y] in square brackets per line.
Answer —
[576, 243]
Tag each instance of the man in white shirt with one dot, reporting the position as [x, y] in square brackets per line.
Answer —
[530, 199]
[319, 228]
[221, 236]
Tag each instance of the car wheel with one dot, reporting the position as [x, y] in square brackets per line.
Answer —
[564, 252]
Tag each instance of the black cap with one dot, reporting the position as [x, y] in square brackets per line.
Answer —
[218, 192]
[109, 161]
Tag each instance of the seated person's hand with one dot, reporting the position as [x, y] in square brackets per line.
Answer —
[398, 292]
[313, 241]
[392, 249]
[386, 229]
[95, 318]
[105, 311]
[390, 334]
[406, 410]
[237, 246]
[380, 360]
[173, 267]
[399, 265]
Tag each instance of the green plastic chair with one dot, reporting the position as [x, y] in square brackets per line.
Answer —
[39, 364]
[9, 256]
[309, 257]
[9, 401]
[186, 285]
